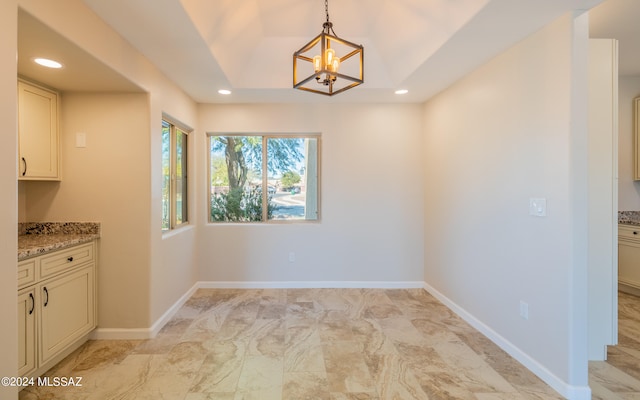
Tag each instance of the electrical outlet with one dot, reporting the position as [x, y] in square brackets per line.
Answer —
[524, 310]
[292, 257]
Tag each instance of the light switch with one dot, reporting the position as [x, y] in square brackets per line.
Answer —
[81, 139]
[538, 207]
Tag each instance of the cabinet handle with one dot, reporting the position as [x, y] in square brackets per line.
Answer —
[70, 259]
[46, 301]
[25, 166]
[33, 303]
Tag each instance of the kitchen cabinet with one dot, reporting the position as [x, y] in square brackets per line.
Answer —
[38, 145]
[629, 258]
[26, 331]
[56, 306]
[66, 311]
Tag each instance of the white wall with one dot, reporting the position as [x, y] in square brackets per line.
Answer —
[603, 196]
[8, 195]
[174, 268]
[371, 199]
[500, 136]
[166, 279]
[629, 190]
[108, 182]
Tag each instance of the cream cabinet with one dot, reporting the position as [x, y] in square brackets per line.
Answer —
[629, 258]
[66, 312]
[26, 331]
[38, 146]
[56, 306]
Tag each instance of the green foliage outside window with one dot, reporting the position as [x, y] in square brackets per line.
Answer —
[290, 178]
[239, 205]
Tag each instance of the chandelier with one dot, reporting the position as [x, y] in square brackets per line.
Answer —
[329, 64]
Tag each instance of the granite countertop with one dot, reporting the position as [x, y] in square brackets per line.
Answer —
[629, 217]
[35, 239]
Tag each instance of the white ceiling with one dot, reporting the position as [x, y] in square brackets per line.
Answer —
[81, 72]
[247, 45]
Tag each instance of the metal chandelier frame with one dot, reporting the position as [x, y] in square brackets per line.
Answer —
[323, 79]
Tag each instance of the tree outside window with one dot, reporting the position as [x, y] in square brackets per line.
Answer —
[259, 178]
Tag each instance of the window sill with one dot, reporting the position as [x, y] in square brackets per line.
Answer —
[177, 231]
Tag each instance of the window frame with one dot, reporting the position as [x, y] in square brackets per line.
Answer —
[265, 176]
[176, 128]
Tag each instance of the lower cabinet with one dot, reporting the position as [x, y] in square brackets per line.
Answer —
[66, 311]
[629, 258]
[26, 331]
[55, 313]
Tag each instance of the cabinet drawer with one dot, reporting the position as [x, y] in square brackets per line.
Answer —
[629, 232]
[64, 260]
[26, 273]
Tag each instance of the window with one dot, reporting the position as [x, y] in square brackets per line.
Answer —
[263, 178]
[174, 176]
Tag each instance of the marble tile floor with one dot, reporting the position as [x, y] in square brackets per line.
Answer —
[619, 377]
[325, 344]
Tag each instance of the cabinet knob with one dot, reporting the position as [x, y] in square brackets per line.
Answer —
[635, 232]
[70, 259]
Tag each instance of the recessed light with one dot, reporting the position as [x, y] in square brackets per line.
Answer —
[402, 91]
[45, 62]
[224, 91]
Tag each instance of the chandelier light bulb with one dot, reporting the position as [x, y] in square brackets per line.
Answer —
[317, 63]
[335, 64]
[330, 54]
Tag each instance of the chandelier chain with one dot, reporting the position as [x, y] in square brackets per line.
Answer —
[328, 26]
[326, 9]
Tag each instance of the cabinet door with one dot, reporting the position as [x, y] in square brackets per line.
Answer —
[629, 263]
[67, 310]
[26, 331]
[37, 133]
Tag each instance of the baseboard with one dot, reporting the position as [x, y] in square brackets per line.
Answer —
[143, 333]
[569, 391]
[629, 288]
[310, 285]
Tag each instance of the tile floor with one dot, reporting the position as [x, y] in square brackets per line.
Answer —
[619, 377]
[328, 344]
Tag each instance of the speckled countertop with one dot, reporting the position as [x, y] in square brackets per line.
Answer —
[629, 217]
[37, 238]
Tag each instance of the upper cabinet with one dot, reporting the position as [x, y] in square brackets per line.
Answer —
[37, 133]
